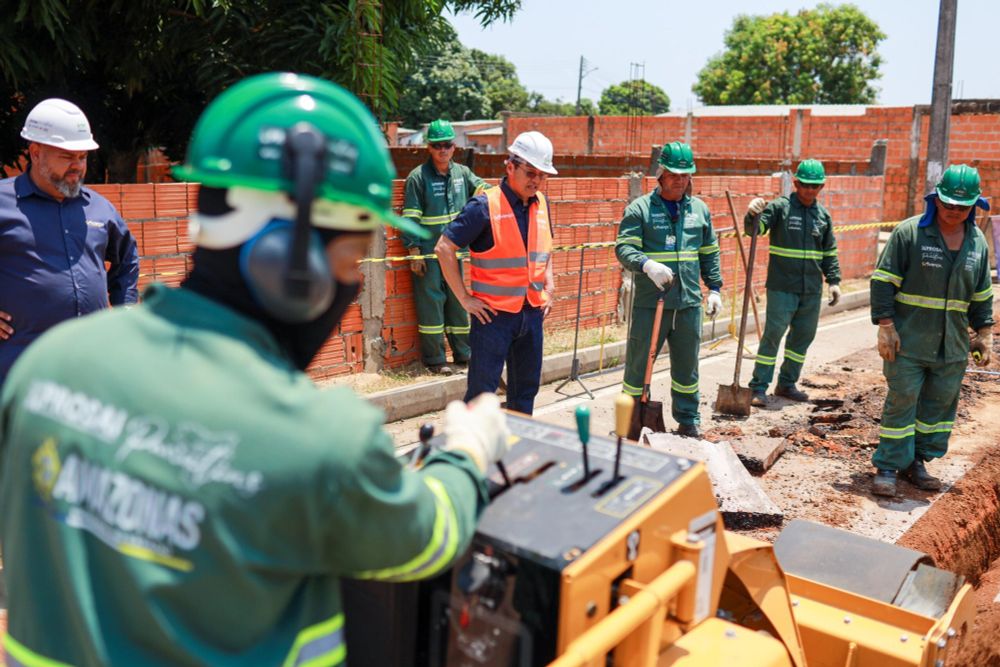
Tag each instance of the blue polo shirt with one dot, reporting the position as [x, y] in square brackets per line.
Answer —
[52, 258]
[472, 226]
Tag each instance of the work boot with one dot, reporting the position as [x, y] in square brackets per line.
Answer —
[461, 366]
[918, 476]
[884, 483]
[759, 398]
[792, 393]
[688, 431]
[440, 369]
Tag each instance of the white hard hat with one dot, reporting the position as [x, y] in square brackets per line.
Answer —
[59, 123]
[534, 148]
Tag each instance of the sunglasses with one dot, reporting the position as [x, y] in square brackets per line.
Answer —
[531, 174]
[442, 145]
[954, 207]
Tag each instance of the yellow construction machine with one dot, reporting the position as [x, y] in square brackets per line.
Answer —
[592, 554]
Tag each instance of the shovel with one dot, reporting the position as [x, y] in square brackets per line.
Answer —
[734, 399]
[649, 413]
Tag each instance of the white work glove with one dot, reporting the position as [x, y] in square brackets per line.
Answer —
[660, 274]
[888, 341]
[982, 346]
[757, 206]
[834, 295]
[713, 304]
[479, 429]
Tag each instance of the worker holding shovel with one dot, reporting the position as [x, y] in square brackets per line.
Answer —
[668, 236]
[803, 251]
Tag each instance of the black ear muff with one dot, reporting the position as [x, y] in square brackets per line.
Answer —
[265, 262]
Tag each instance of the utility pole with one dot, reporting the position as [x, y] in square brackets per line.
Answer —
[579, 81]
[944, 63]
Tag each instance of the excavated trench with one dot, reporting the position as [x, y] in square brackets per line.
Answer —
[961, 532]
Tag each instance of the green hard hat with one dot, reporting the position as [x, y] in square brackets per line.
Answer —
[440, 130]
[811, 172]
[959, 185]
[239, 139]
[676, 157]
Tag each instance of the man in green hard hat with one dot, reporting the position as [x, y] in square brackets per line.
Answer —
[667, 235]
[803, 251]
[194, 499]
[931, 285]
[434, 194]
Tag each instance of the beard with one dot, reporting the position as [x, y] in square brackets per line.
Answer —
[60, 183]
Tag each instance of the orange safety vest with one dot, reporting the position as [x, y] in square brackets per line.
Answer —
[507, 274]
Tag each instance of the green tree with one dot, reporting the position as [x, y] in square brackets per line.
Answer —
[825, 55]
[639, 97]
[503, 89]
[447, 84]
[143, 70]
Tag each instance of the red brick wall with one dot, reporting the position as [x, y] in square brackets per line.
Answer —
[584, 210]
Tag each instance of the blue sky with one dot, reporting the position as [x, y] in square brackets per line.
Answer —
[547, 37]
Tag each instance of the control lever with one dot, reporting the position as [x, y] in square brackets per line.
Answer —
[420, 453]
[583, 429]
[624, 405]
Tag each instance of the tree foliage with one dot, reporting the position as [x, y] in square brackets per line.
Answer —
[825, 55]
[503, 89]
[633, 97]
[143, 70]
[445, 84]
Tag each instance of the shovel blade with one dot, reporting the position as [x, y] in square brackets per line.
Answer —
[733, 400]
[648, 414]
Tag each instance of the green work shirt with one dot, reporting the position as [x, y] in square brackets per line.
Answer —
[433, 199]
[932, 298]
[803, 248]
[686, 244]
[175, 492]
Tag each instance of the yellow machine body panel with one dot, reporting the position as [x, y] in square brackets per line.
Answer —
[718, 643]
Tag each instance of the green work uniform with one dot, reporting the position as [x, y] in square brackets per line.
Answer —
[932, 298]
[803, 250]
[186, 496]
[685, 242]
[433, 200]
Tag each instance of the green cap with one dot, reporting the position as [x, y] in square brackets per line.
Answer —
[440, 130]
[239, 142]
[811, 172]
[676, 157]
[959, 185]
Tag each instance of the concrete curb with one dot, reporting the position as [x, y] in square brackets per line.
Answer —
[419, 399]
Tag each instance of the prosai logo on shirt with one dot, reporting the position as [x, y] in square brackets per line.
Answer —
[96, 224]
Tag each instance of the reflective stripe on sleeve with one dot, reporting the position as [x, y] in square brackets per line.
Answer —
[984, 295]
[498, 290]
[887, 277]
[19, 655]
[320, 645]
[629, 240]
[708, 249]
[440, 549]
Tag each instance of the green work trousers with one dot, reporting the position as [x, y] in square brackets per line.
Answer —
[682, 331]
[919, 411]
[439, 314]
[797, 314]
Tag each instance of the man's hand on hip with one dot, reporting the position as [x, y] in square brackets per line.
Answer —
[661, 275]
[6, 330]
[888, 340]
[478, 309]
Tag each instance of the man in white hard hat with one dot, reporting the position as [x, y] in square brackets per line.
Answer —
[56, 235]
[509, 235]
